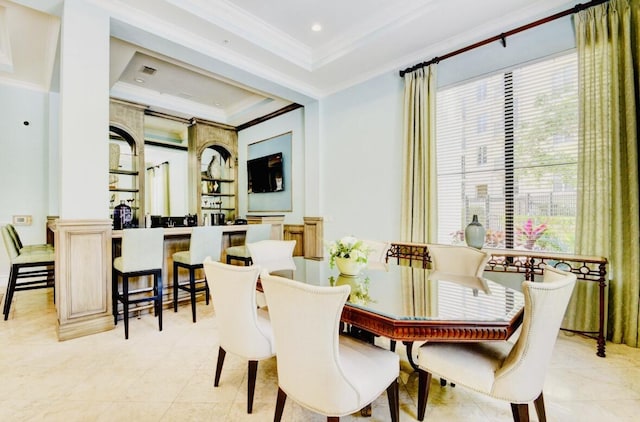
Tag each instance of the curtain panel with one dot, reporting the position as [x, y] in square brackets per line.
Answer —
[419, 193]
[607, 216]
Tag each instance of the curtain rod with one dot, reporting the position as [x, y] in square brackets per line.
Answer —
[503, 36]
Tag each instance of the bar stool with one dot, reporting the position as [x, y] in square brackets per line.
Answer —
[205, 241]
[30, 269]
[142, 254]
[255, 233]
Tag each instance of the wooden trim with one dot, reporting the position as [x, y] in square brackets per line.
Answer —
[269, 116]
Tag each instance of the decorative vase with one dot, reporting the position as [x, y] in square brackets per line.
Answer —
[122, 216]
[348, 266]
[474, 233]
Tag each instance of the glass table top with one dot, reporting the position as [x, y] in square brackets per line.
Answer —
[406, 293]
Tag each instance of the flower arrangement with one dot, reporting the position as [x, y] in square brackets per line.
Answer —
[350, 248]
[527, 234]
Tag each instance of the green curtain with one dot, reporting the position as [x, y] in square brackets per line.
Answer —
[607, 217]
[419, 195]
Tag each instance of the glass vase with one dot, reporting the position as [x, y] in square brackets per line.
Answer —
[474, 233]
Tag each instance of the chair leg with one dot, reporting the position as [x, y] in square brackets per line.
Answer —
[424, 381]
[11, 287]
[251, 385]
[539, 404]
[114, 296]
[175, 287]
[333, 418]
[394, 400]
[520, 412]
[158, 302]
[192, 291]
[282, 398]
[221, 354]
[125, 304]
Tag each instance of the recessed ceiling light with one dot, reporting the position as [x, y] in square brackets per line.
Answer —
[139, 80]
[316, 27]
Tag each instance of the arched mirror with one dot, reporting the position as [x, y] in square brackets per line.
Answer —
[166, 166]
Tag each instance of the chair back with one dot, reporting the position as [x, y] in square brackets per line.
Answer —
[9, 243]
[233, 290]
[305, 321]
[521, 376]
[257, 232]
[462, 264]
[273, 255]
[377, 257]
[142, 249]
[15, 236]
[206, 241]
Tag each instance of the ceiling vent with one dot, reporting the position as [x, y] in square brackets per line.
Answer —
[148, 70]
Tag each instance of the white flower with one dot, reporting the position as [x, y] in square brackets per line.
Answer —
[348, 247]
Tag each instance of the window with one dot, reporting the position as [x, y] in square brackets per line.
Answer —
[526, 164]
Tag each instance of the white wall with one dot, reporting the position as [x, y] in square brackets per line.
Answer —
[361, 142]
[290, 122]
[24, 162]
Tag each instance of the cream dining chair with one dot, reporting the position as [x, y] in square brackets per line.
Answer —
[319, 369]
[255, 233]
[377, 257]
[273, 255]
[508, 371]
[244, 330]
[459, 264]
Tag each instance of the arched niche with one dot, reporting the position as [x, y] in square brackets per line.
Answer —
[213, 162]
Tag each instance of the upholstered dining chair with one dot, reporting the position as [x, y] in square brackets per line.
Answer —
[512, 372]
[377, 258]
[460, 264]
[318, 368]
[205, 241]
[29, 269]
[142, 254]
[273, 255]
[243, 329]
[255, 233]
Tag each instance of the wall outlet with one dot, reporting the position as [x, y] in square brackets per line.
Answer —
[22, 220]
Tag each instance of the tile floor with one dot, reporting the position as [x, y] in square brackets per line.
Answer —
[168, 376]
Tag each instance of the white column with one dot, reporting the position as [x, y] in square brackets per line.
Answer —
[84, 111]
[83, 231]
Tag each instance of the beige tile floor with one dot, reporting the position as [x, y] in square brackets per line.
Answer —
[168, 376]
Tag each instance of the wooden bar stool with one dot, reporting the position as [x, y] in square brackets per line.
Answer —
[206, 241]
[30, 269]
[255, 233]
[142, 254]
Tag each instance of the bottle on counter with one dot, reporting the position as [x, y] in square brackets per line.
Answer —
[122, 216]
[147, 220]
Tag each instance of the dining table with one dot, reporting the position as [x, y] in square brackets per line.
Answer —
[404, 303]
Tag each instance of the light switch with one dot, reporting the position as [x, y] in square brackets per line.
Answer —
[22, 220]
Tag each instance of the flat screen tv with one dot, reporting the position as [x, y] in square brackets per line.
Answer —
[265, 174]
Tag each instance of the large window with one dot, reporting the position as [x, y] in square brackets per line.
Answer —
[507, 150]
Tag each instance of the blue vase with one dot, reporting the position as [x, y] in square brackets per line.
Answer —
[474, 233]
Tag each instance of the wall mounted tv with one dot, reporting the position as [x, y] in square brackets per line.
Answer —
[265, 174]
